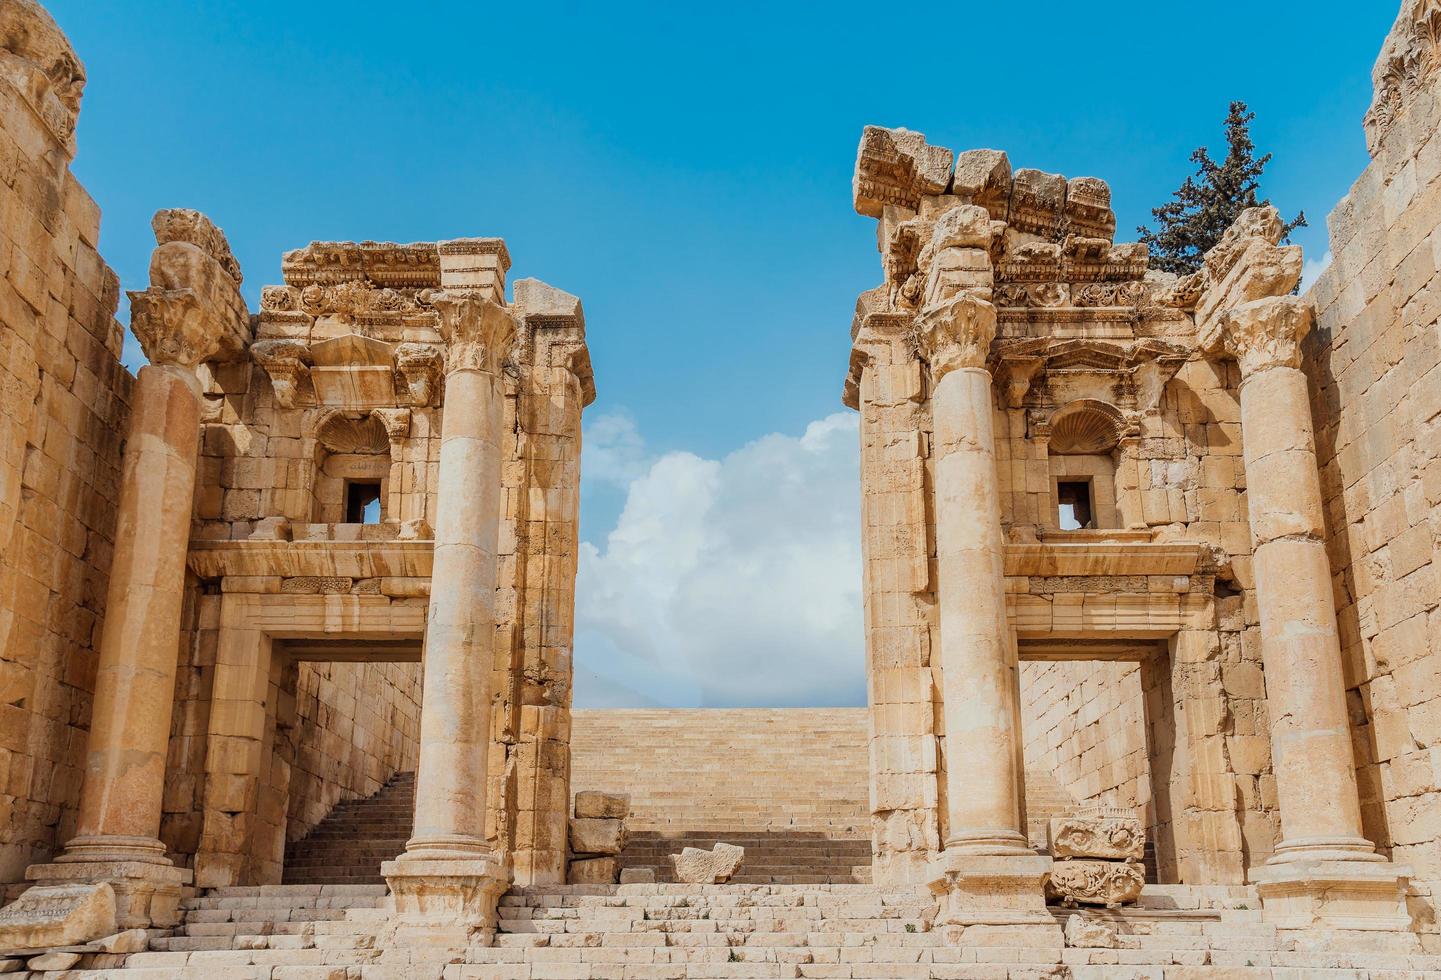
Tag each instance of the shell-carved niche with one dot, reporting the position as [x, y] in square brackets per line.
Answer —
[354, 456]
[1085, 428]
[347, 435]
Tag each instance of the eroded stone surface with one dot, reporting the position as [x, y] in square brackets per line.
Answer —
[713, 867]
[58, 915]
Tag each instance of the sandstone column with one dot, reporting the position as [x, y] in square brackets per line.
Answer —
[1324, 871]
[190, 313]
[448, 871]
[987, 870]
[1323, 854]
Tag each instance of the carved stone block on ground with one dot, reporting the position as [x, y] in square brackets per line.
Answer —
[1109, 883]
[1109, 833]
[714, 867]
[58, 915]
[1084, 933]
[637, 876]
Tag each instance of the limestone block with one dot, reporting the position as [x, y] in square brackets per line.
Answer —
[53, 962]
[984, 177]
[611, 806]
[129, 941]
[594, 835]
[594, 871]
[714, 867]
[1111, 833]
[897, 166]
[637, 876]
[9, 965]
[1085, 933]
[58, 915]
[1109, 883]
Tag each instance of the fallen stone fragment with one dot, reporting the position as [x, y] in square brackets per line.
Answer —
[637, 876]
[129, 941]
[1110, 833]
[1109, 883]
[1085, 933]
[53, 962]
[47, 916]
[714, 867]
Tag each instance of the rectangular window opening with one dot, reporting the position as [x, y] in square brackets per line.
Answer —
[1074, 500]
[362, 503]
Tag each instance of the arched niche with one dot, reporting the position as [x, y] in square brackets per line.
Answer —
[1083, 437]
[353, 461]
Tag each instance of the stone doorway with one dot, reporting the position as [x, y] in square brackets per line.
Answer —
[1099, 717]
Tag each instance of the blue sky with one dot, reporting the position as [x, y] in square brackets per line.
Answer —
[685, 170]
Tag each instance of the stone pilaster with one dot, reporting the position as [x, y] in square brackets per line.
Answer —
[191, 313]
[987, 873]
[449, 872]
[556, 384]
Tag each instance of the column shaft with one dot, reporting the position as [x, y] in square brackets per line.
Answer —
[450, 804]
[982, 725]
[120, 800]
[1300, 646]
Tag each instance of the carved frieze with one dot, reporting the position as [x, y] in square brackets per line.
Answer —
[1109, 833]
[384, 264]
[898, 167]
[1108, 883]
[1408, 62]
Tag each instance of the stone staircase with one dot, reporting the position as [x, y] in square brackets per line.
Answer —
[771, 858]
[700, 932]
[348, 846]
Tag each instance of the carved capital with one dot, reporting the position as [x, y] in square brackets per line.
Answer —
[957, 334]
[1265, 333]
[172, 326]
[478, 331]
[421, 367]
[286, 363]
[1016, 372]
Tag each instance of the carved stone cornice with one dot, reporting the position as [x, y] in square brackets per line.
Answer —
[477, 330]
[172, 326]
[957, 334]
[897, 167]
[1264, 333]
[385, 264]
[287, 364]
[1408, 63]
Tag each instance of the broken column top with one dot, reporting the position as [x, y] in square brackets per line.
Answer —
[897, 168]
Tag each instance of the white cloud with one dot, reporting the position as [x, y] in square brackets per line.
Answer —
[728, 582]
[612, 450]
[1311, 270]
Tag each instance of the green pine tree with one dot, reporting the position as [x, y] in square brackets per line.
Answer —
[1210, 201]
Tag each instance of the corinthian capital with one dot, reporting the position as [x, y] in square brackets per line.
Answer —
[1266, 333]
[957, 334]
[477, 330]
[173, 326]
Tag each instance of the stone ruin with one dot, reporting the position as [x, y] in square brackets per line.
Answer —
[1161, 549]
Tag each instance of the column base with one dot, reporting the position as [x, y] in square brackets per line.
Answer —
[1323, 893]
[147, 892]
[993, 899]
[460, 894]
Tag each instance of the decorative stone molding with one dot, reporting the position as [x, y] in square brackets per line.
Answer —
[957, 334]
[1108, 883]
[395, 420]
[1266, 333]
[421, 367]
[1086, 427]
[1015, 372]
[1408, 63]
[172, 327]
[1107, 833]
[287, 364]
[478, 331]
[898, 167]
[385, 264]
[38, 61]
[475, 264]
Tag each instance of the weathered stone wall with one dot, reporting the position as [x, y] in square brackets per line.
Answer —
[63, 398]
[1375, 361]
[358, 724]
[752, 769]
